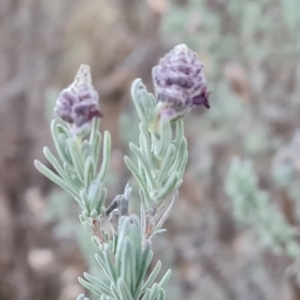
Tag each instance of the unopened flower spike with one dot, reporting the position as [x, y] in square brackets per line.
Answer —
[78, 104]
[179, 83]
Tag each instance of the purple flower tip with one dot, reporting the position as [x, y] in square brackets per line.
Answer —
[78, 104]
[179, 81]
[202, 99]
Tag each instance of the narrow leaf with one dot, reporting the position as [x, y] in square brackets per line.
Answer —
[89, 286]
[154, 290]
[167, 212]
[132, 168]
[77, 159]
[96, 149]
[53, 177]
[165, 279]
[115, 292]
[103, 266]
[88, 171]
[98, 284]
[165, 136]
[161, 295]
[168, 189]
[59, 148]
[106, 156]
[153, 275]
[122, 286]
[55, 163]
[147, 166]
[142, 270]
[166, 164]
[109, 263]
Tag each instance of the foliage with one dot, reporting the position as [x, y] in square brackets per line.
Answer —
[251, 207]
[259, 61]
[124, 252]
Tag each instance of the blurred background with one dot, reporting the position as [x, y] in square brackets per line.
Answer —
[251, 53]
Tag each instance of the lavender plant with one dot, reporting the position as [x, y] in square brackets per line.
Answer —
[251, 207]
[124, 252]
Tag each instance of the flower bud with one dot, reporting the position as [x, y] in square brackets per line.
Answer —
[78, 103]
[179, 82]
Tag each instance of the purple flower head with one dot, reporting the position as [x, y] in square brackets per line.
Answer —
[78, 103]
[179, 82]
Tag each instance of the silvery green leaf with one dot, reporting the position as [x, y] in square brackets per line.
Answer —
[145, 144]
[169, 188]
[104, 267]
[123, 287]
[156, 232]
[142, 173]
[166, 164]
[56, 165]
[153, 275]
[60, 147]
[149, 259]
[94, 191]
[165, 136]
[182, 166]
[136, 238]
[96, 149]
[100, 208]
[125, 260]
[167, 212]
[94, 131]
[89, 171]
[142, 269]
[115, 242]
[109, 264]
[87, 226]
[161, 295]
[64, 130]
[82, 297]
[56, 179]
[93, 212]
[165, 279]
[106, 156]
[115, 292]
[145, 163]
[131, 265]
[154, 290]
[151, 101]
[136, 88]
[181, 158]
[89, 286]
[95, 240]
[107, 238]
[122, 232]
[77, 159]
[147, 295]
[72, 176]
[179, 133]
[98, 284]
[84, 200]
[86, 149]
[130, 165]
